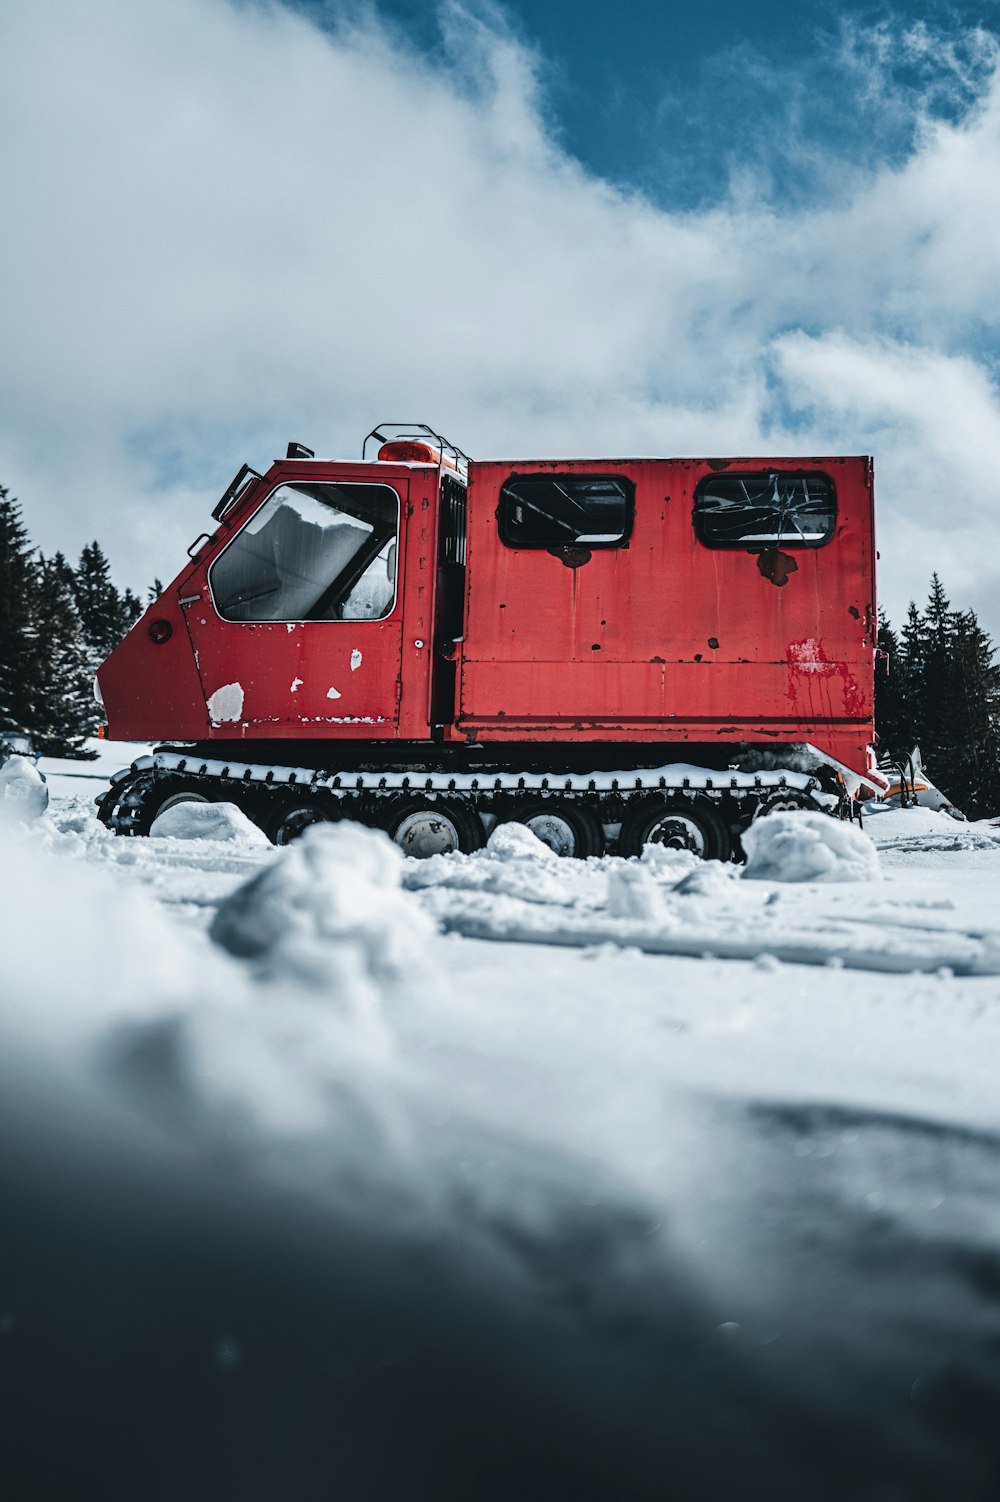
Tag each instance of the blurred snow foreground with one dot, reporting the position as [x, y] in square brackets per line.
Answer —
[334, 901]
[362, 1209]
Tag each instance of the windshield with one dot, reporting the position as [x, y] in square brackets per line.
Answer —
[313, 552]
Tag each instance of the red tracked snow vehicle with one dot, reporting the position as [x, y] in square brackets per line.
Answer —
[612, 651]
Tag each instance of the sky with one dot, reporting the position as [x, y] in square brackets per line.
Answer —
[546, 230]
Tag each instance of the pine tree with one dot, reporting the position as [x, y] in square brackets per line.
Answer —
[154, 592]
[974, 702]
[939, 729]
[57, 624]
[946, 700]
[131, 609]
[912, 653]
[103, 613]
[63, 712]
[19, 625]
[893, 696]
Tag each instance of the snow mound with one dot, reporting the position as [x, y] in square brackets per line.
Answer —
[925, 830]
[666, 860]
[804, 846]
[708, 879]
[633, 893]
[208, 821]
[510, 841]
[330, 911]
[515, 863]
[23, 794]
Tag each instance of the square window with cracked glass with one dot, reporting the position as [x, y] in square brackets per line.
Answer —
[561, 510]
[767, 508]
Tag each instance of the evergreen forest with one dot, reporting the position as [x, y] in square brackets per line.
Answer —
[57, 624]
[937, 684]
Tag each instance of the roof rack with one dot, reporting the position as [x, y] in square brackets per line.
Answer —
[387, 432]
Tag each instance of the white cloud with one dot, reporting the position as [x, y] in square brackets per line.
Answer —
[227, 228]
[935, 421]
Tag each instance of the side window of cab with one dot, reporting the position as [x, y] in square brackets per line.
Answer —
[759, 509]
[554, 510]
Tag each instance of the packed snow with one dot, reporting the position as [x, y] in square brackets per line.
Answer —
[24, 795]
[669, 903]
[218, 822]
[802, 846]
[226, 703]
[671, 1166]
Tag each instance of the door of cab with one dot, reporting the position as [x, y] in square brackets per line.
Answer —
[321, 559]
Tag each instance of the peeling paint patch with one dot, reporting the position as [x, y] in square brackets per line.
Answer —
[345, 719]
[355, 660]
[333, 693]
[296, 685]
[809, 657]
[290, 627]
[226, 704]
[571, 557]
[776, 566]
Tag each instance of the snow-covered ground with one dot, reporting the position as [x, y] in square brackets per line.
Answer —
[493, 1173]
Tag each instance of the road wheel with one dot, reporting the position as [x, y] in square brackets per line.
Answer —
[186, 796]
[692, 824]
[293, 816]
[566, 827]
[789, 800]
[432, 826]
[131, 805]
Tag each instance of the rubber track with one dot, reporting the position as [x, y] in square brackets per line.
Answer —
[679, 780]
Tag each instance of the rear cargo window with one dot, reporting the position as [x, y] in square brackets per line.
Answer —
[565, 510]
[765, 508]
[313, 552]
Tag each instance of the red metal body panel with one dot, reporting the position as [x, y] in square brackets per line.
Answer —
[313, 680]
[664, 638]
[147, 687]
[661, 640]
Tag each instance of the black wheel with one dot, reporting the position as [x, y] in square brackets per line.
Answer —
[432, 826]
[130, 807]
[692, 824]
[293, 815]
[185, 795]
[787, 801]
[566, 827]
